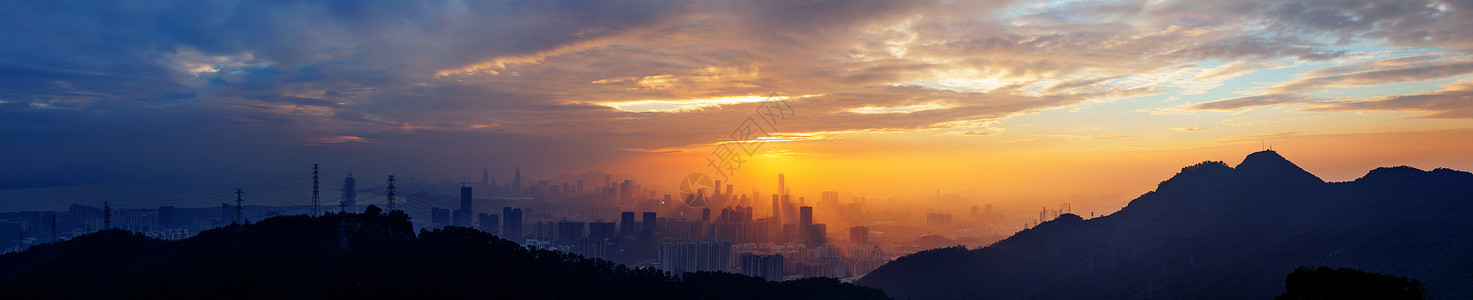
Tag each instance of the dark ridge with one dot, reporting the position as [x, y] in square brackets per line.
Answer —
[1214, 232]
[300, 257]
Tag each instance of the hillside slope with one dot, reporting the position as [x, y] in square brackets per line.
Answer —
[1219, 232]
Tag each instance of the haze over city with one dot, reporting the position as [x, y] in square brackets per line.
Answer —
[926, 123]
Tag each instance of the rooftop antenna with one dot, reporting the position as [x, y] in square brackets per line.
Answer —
[315, 209]
[238, 214]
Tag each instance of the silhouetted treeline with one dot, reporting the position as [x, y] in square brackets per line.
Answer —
[1219, 232]
[1324, 283]
[301, 257]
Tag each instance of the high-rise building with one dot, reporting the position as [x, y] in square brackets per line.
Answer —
[439, 217]
[516, 185]
[490, 223]
[768, 267]
[569, 232]
[706, 214]
[805, 223]
[485, 176]
[782, 186]
[829, 200]
[511, 227]
[465, 212]
[648, 225]
[777, 218]
[350, 194]
[692, 256]
[627, 228]
[817, 235]
[859, 235]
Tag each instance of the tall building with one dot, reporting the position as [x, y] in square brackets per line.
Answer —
[817, 235]
[350, 194]
[692, 256]
[439, 217]
[805, 223]
[569, 232]
[511, 226]
[464, 214]
[648, 226]
[485, 176]
[859, 235]
[829, 200]
[490, 223]
[516, 185]
[777, 218]
[627, 227]
[782, 186]
[768, 267]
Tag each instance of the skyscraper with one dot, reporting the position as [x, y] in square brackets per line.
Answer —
[516, 185]
[485, 176]
[490, 223]
[829, 200]
[859, 235]
[511, 227]
[782, 186]
[777, 218]
[626, 224]
[805, 223]
[648, 228]
[464, 214]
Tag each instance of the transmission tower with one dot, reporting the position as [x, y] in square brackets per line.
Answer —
[107, 216]
[315, 209]
[238, 214]
[391, 193]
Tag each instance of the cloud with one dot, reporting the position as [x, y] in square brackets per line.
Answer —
[1187, 129]
[1239, 103]
[571, 75]
[1454, 102]
[1378, 72]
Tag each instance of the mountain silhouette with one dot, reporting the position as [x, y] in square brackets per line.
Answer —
[359, 256]
[1219, 232]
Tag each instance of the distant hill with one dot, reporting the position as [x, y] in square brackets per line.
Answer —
[1219, 232]
[301, 257]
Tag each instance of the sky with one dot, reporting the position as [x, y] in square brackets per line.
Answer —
[880, 98]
